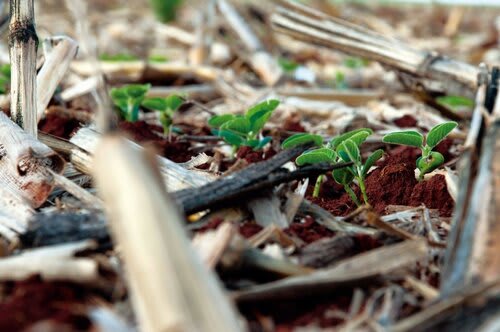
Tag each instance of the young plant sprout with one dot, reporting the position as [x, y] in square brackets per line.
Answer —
[4, 78]
[166, 107]
[430, 160]
[244, 130]
[343, 148]
[128, 99]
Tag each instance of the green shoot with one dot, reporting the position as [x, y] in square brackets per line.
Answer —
[165, 10]
[343, 148]
[355, 62]
[244, 130]
[128, 99]
[430, 160]
[157, 58]
[166, 107]
[121, 57]
[287, 65]
[4, 78]
[455, 102]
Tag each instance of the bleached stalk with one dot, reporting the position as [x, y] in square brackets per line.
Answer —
[260, 60]
[171, 288]
[56, 64]
[23, 47]
[317, 28]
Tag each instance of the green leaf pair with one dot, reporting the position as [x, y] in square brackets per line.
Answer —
[130, 98]
[166, 107]
[430, 160]
[343, 148]
[244, 130]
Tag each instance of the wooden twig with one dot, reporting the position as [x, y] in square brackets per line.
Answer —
[52, 263]
[23, 47]
[368, 266]
[53, 70]
[247, 182]
[171, 288]
[472, 253]
[260, 60]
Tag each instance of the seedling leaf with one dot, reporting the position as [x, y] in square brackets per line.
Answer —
[260, 113]
[348, 151]
[218, 120]
[155, 104]
[174, 102]
[300, 139]
[439, 132]
[321, 155]
[231, 137]
[137, 90]
[342, 176]
[434, 160]
[240, 125]
[410, 138]
[372, 159]
[334, 143]
[455, 102]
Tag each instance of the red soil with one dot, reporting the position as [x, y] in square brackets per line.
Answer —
[59, 126]
[406, 121]
[393, 183]
[33, 300]
[145, 133]
[292, 123]
[309, 230]
[288, 315]
[251, 156]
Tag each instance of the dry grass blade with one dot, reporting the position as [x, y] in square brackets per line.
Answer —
[171, 288]
[351, 271]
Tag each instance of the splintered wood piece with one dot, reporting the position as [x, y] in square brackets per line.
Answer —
[352, 271]
[23, 46]
[261, 61]
[24, 164]
[172, 289]
[472, 253]
[51, 263]
[175, 176]
[53, 70]
[317, 28]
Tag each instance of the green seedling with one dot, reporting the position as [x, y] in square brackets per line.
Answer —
[343, 148]
[455, 102]
[430, 160]
[4, 78]
[128, 99]
[165, 10]
[121, 57]
[244, 130]
[288, 66]
[355, 62]
[166, 108]
[157, 58]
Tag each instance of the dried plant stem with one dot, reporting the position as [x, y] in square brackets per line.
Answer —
[314, 27]
[23, 46]
[172, 290]
[56, 64]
